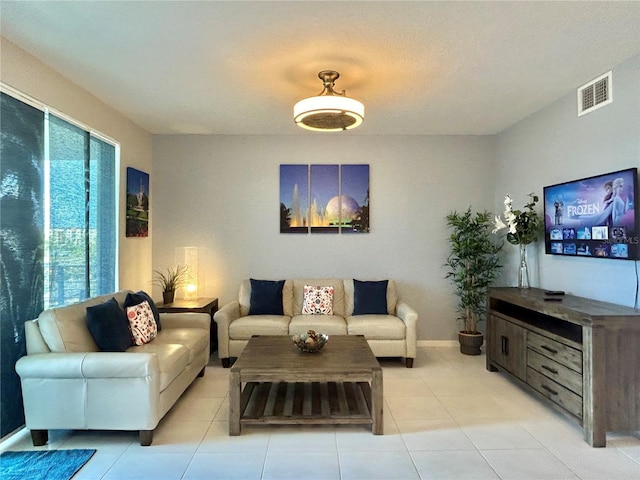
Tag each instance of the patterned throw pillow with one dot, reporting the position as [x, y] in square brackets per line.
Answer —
[139, 297]
[142, 324]
[318, 300]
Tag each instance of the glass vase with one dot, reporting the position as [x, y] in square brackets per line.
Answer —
[523, 268]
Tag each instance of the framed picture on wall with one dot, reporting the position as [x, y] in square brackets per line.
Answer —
[324, 198]
[137, 224]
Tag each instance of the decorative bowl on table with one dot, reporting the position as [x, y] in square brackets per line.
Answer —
[311, 341]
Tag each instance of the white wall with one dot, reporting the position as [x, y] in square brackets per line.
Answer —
[32, 77]
[555, 146]
[222, 193]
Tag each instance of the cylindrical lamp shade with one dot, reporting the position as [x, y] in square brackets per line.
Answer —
[188, 256]
[328, 113]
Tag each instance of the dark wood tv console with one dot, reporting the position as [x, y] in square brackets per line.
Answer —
[581, 355]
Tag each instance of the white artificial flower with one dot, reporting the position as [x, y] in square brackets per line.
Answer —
[499, 224]
[509, 217]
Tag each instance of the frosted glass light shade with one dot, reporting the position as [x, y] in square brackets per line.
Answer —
[188, 256]
[328, 113]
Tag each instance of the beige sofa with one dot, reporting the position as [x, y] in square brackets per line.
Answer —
[391, 335]
[67, 383]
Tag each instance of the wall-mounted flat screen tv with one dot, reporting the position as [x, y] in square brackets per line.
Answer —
[594, 217]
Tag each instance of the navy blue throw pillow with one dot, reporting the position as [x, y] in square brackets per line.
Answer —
[266, 297]
[139, 297]
[109, 326]
[370, 298]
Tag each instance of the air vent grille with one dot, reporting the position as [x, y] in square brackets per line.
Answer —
[594, 94]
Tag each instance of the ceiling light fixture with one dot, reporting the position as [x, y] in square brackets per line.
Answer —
[329, 111]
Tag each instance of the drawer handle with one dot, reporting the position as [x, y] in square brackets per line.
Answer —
[549, 389]
[549, 349]
[549, 369]
[504, 344]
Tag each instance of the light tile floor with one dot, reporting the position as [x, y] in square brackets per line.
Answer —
[447, 418]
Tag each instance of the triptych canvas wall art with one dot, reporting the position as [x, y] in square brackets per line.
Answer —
[324, 198]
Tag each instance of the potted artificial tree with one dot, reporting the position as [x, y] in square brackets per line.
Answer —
[473, 265]
[170, 280]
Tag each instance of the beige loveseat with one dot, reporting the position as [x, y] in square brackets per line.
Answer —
[67, 383]
[390, 335]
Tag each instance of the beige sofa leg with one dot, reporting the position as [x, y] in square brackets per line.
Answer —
[39, 437]
[409, 362]
[146, 437]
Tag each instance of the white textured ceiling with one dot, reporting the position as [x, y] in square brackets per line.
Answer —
[238, 67]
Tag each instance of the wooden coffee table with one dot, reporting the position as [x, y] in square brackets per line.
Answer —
[341, 384]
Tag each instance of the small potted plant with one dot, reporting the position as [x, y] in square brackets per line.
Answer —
[169, 280]
[473, 265]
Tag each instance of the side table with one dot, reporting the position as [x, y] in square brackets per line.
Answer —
[196, 305]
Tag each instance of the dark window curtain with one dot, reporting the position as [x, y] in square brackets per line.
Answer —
[21, 243]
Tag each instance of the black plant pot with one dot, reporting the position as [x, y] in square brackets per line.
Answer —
[168, 296]
[470, 343]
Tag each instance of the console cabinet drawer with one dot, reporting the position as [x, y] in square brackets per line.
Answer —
[555, 392]
[555, 371]
[559, 352]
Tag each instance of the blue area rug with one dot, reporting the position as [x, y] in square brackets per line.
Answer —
[43, 464]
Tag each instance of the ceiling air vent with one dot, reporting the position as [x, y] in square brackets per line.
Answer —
[595, 94]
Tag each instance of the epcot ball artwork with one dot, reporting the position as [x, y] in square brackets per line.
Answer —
[349, 208]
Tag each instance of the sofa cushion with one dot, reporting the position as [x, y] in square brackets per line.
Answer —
[370, 297]
[392, 297]
[318, 300]
[244, 297]
[172, 359]
[377, 327]
[266, 297]
[109, 326]
[194, 339]
[338, 293]
[141, 323]
[244, 327]
[139, 297]
[329, 324]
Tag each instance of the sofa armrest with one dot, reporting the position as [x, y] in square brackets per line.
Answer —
[410, 318]
[223, 318]
[34, 339]
[186, 320]
[88, 365]
[90, 390]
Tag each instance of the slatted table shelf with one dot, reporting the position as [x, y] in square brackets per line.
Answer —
[306, 403]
